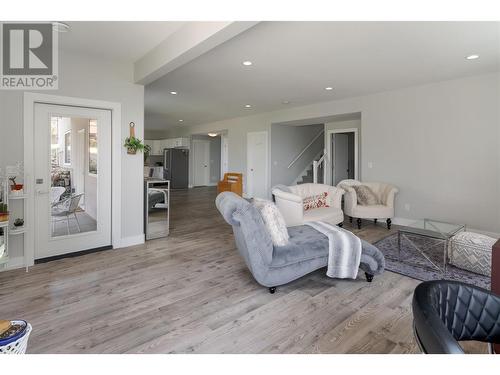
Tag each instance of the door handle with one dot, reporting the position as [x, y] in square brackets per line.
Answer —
[41, 192]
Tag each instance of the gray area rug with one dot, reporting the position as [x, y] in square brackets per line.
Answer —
[414, 265]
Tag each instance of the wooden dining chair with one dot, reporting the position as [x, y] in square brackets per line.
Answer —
[231, 182]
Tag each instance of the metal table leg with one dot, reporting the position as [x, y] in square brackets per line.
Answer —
[399, 245]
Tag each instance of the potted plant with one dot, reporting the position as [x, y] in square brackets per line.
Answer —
[133, 144]
[18, 222]
[4, 214]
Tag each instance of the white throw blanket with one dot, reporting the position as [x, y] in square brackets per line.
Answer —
[344, 252]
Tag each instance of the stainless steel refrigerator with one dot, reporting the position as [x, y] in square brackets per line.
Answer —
[176, 167]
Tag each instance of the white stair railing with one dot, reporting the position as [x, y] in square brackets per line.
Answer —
[306, 148]
[316, 165]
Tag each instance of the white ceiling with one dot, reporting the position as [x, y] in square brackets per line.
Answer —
[120, 41]
[295, 61]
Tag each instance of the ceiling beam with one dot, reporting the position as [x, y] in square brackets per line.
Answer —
[190, 41]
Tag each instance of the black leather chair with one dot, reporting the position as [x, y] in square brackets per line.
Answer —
[445, 312]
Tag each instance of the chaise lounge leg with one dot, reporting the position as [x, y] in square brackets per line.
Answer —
[358, 221]
[375, 221]
[369, 277]
[389, 221]
[350, 219]
[340, 224]
[272, 289]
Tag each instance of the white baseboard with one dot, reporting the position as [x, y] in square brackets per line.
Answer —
[130, 241]
[190, 186]
[212, 184]
[405, 222]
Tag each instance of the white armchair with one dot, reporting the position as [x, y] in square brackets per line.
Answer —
[384, 210]
[289, 200]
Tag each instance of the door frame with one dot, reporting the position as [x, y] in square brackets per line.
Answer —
[266, 164]
[83, 161]
[207, 159]
[330, 156]
[29, 163]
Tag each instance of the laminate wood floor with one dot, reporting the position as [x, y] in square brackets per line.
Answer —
[191, 293]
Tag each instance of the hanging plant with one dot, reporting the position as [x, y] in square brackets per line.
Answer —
[132, 143]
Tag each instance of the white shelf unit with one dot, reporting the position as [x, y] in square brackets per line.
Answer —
[13, 231]
[15, 197]
[17, 209]
[4, 243]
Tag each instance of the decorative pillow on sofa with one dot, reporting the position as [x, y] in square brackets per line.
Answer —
[275, 223]
[365, 195]
[316, 201]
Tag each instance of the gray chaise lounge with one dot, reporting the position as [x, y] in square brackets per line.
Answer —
[274, 266]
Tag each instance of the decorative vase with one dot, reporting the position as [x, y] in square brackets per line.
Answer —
[4, 216]
[131, 151]
[16, 187]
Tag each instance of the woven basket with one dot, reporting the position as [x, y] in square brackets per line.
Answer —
[19, 345]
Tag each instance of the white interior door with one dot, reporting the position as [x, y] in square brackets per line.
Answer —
[224, 156]
[62, 224]
[340, 163]
[201, 160]
[257, 157]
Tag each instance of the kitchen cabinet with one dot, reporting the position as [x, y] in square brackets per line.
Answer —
[157, 145]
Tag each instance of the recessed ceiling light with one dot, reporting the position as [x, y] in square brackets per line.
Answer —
[212, 134]
[472, 57]
[181, 120]
[60, 27]
[247, 63]
[173, 92]
[328, 88]
[248, 106]
[285, 102]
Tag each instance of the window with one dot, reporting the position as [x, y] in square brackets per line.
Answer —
[93, 147]
[67, 147]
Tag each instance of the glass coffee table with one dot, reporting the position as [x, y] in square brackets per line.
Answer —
[432, 229]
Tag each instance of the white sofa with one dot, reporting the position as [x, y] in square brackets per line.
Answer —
[385, 194]
[289, 201]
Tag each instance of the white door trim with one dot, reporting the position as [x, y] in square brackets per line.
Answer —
[116, 159]
[328, 143]
[247, 193]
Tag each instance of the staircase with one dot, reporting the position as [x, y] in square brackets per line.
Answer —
[315, 171]
[308, 177]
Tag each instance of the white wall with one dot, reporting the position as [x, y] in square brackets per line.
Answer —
[84, 77]
[439, 143]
